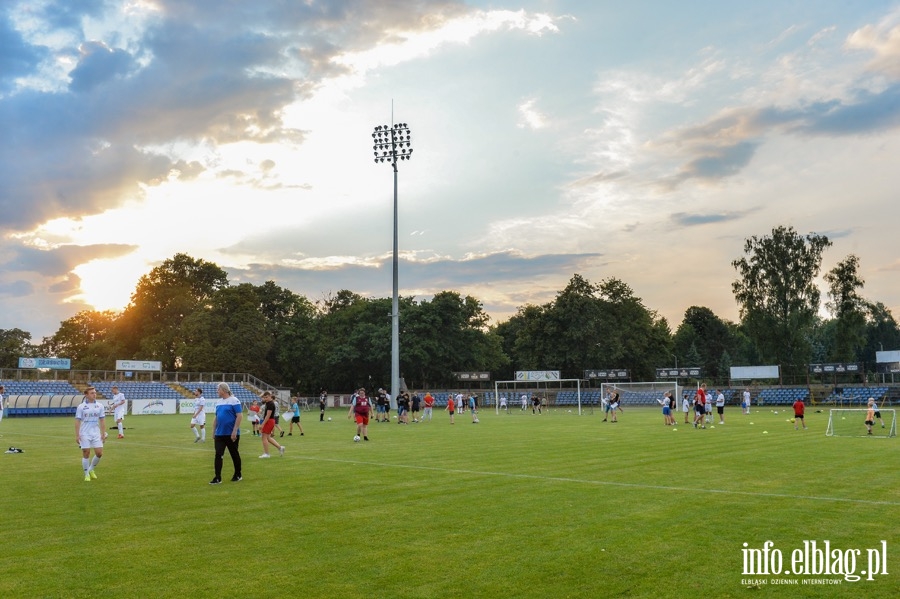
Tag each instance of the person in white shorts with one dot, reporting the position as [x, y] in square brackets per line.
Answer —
[198, 420]
[503, 405]
[90, 431]
[120, 406]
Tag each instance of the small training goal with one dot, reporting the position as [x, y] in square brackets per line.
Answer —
[851, 422]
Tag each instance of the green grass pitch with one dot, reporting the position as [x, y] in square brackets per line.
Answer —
[557, 505]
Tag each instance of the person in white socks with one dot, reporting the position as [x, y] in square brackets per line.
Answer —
[198, 420]
[120, 406]
[90, 431]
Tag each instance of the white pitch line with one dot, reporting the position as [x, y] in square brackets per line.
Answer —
[194, 447]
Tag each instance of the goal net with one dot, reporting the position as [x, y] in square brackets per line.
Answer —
[566, 395]
[847, 422]
[643, 394]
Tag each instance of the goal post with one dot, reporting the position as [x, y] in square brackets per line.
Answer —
[851, 422]
[648, 393]
[558, 392]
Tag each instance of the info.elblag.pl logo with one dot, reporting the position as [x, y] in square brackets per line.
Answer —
[814, 559]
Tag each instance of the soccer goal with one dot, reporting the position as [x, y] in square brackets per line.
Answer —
[643, 394]
[517, 397]
[851, 422]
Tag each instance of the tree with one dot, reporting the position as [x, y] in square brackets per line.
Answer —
[882, 331]
[290, 323]
[712, 337]
[14, 343]
[589, 326]
[88, 339]
[227, 334]
[777, 294]
[848, 309]
[151, 326]
[446, 334]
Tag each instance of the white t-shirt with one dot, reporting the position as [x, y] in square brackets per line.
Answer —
[747, 397]
[200, 411]
[89, 413]
[720, 400]
[119, 404]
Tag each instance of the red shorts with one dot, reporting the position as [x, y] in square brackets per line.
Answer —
[360, 419]
[269, 426]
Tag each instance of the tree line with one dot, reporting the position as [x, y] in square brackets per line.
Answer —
[185, 314]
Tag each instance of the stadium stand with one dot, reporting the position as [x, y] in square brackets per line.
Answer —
[857, 395]
[780, 396]
[137, 390]
[40, 398]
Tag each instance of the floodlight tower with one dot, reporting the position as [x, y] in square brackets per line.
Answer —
[392, 144]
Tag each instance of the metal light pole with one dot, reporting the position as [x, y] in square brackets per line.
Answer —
[391, 144]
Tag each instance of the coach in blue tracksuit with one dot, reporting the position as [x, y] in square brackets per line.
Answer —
[227, 432]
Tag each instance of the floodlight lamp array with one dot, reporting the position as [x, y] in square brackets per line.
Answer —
[392, 143]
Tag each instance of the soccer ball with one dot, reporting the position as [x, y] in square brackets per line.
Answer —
[356, 439]
[329, 419]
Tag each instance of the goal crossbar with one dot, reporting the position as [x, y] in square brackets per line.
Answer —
[526, 385]
[850, 422]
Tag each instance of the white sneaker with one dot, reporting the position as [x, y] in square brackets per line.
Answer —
[281, 450]
[265, 455]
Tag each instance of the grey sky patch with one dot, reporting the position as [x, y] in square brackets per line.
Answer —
[834, 234]
[717, 163]
[684, 219]
[17, 288]
[430, 275]
[870, 113]
[70, 284]
[60, 261]
[97, 65]
[17, 57]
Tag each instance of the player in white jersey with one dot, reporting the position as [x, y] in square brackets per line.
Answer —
[199, 417]
[2, 389]
[90, 431]
[120, 406]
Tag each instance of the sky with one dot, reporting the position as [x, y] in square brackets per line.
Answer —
[644, 141]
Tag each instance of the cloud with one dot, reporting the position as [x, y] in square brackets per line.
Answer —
[98, 64]
[58, 261]
[18, 57]
[17, 288]
[883, 40]
[419, 274]
[684, 219]
[719, 162]
[531, 117]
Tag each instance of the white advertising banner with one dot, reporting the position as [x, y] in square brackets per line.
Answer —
[537, 375]
[142, 365]
[887, 356]
[140, 407]
[754, 372]
[186, 406]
